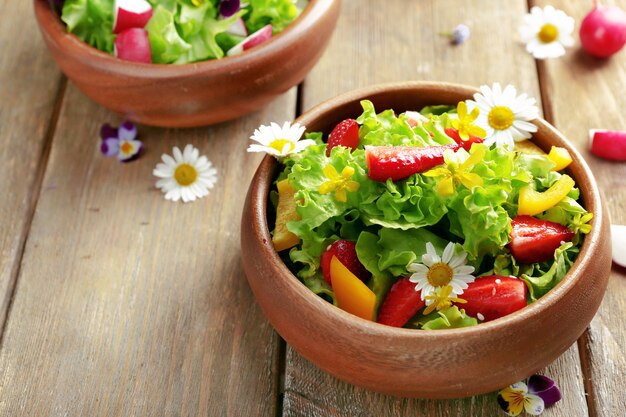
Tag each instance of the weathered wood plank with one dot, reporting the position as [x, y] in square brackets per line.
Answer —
[588, 93]
[402, 43]
[29, 85]
[132, 305]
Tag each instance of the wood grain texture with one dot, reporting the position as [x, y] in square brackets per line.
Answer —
[130, 305]
[27, 102]
[588, 93]
[403, 44]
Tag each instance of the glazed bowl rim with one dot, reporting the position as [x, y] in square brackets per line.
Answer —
[261, 185]
[51, 24]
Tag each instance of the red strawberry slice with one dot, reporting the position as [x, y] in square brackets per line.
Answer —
[401, 303]
[494, 296]
[345, 134]
[345, 251]
[399, 162]
[535, 240]
[454, 134]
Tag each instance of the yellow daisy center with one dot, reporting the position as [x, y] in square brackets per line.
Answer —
[185, 174]
[439, 274]
[279, 144]
[501, 118]
[548, 33]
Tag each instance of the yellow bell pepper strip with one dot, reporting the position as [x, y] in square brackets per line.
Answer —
[285, 211]
[352, 294]
[532, 202]
[528, 147]
[561, 157]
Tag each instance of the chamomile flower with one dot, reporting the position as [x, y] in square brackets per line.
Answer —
[185, 176]
[279, 141]
[440, 271]
[504, 115]
[547, 32]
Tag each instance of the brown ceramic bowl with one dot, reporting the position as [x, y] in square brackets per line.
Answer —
[193, 94]
[419, 363]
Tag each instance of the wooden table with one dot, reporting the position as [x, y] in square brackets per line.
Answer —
[116, 302]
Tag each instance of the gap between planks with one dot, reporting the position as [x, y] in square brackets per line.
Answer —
[32, 201]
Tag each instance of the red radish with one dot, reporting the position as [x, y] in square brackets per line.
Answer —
[238, 28]
[345, 252]
[133, 45]
[346, 133]
[251, 41]
[603, 30]
[608, 144]
[131, 14]
[494, 296]
[401, 303]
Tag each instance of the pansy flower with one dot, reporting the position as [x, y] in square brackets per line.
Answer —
[440, 271]
[120, 142]
[279, 141]
[540, 392]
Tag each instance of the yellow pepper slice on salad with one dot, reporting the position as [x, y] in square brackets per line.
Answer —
[532, 202]
[352, 294]
[285, 212]
[561, 157]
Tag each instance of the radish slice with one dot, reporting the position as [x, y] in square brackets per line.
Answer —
[618, 237]
[238, 28]
[131, 14]
[133, 45]
[251, 41]
[608, 144]
[229, 7]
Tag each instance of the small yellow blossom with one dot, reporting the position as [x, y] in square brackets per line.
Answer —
[464, 124]
[441, 299]
[457, 170]
[338, 183]
[580, 224]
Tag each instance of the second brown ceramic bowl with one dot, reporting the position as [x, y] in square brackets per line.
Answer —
[193, 94]
[418, 363]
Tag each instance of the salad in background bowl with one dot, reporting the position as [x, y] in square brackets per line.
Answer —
[454, 231]
[185, 86]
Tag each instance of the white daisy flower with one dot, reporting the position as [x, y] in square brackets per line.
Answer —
[186, 176]
[504, 115]
[546, 32]
[436, 272]
[279, 141]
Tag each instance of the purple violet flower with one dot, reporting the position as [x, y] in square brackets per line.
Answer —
[229, 7]
[460, 34]
[120, 142]
[540, 392]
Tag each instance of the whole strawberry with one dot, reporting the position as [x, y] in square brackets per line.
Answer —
[345, 134]
[345, 251]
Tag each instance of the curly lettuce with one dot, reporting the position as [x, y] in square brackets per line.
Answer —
[91, 21]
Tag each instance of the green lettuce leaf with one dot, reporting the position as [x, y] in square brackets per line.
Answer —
[448, 318]
[279, 13]
[541, 278]
[91, 21]
[166, 44]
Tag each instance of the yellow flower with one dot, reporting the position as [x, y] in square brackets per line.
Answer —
[464, 125]
[580, 224]
[457, 170]
[441, 299]
[338, 183]
[517, 399]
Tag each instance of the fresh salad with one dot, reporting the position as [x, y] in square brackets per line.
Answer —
[176, 31]
[414, 220]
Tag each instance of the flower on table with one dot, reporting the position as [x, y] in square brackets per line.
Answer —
[540, 392]
[120, 141]
[465, 123]
[504, 115]
[440, 299]
[436, 272]
[279, 141]
[186, 175]
[547, 32]
[457, 170]
[339, 183]
[459, 34]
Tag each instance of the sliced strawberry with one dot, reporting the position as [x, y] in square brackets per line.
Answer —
[345, 134]
[494, 296]
[454, 134]
[345, 251]
[401, 303]
[535, 240]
